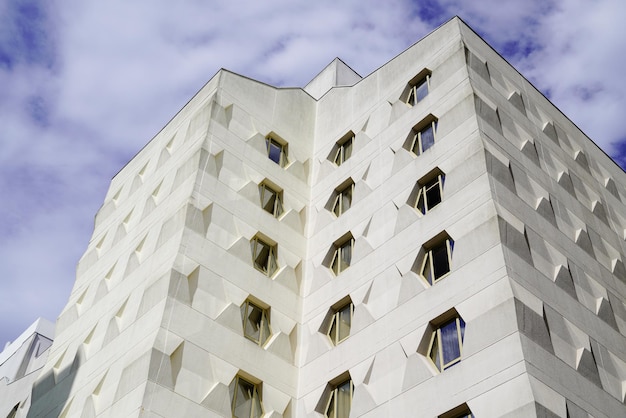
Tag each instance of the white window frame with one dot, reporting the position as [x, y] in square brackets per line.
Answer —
[414, 87]
[336, 339]
[264, 326]
[338, 263]
[436, 342]
[344, 149]
[417, 145]
[282, 158]
[331, 410]
[339, 202]
[429, 260]
[422, 201]
[271, 259]
[276, 208]
[461, 411]
[255, 396]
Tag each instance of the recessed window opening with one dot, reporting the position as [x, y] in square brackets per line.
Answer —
[342, 256]
[446, 343]
[271, 199]
[461, 411]
[437, 261]
[423, 135]
[417, 88]
[418, 91]
[340, 400]
[245, 399]
[340, 323]
[430, 191]
[264, 256]
[276, 151]
[343, 199]
[343, 148]
[256, 322]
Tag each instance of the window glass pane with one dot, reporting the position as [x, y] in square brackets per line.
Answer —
[337, 205]
[440, 260]
[415, 146]
[274, 151]
[333, 329]
[243, 402]
[267, 199]
[428, 137]
[253, 322]
[434, 351]
[347, 149]
[346, 197]
[433, 193]
[450, 342]
[345, 318]
[411, 99]
[338, 159]
[256, 404]
[330, 412]
[344, 399]
[420, 201]
[335, 264]
[271, 262]
[265, 332]
[343, 200]
[278, 208]
[421, 90]
[427, 271]
[346, 254]
[262, 255]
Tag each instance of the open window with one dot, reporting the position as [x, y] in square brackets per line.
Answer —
[340, 321]
[429, 191]
[256, 322]
[417, 89]
[437, 260]
[13, 412]
[264, 256]
[342, 198]
[461, 411]
[245, 399]
[342, 256]
[422, 136]
[446, 340]
[276, 150]
[343, 149]
[271, 198]
[339, 399]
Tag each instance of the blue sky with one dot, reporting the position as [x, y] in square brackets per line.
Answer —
[84, 85]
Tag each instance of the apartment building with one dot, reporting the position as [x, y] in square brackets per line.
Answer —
[435, 239]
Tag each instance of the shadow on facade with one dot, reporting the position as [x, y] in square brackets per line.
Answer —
[49, 396]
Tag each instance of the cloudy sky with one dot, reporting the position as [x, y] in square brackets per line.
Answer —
[84, 85]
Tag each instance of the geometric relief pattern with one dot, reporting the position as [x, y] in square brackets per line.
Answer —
[94, 404]
[619, 309]
[593, 296]
[500, 171]
[570, 343]
[533, 325]
[514, 240]
[583, 354]
[612, 371]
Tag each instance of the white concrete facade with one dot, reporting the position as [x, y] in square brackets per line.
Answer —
[531, 221]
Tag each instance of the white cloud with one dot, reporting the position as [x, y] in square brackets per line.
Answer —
[576, 54]
[109, 75]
